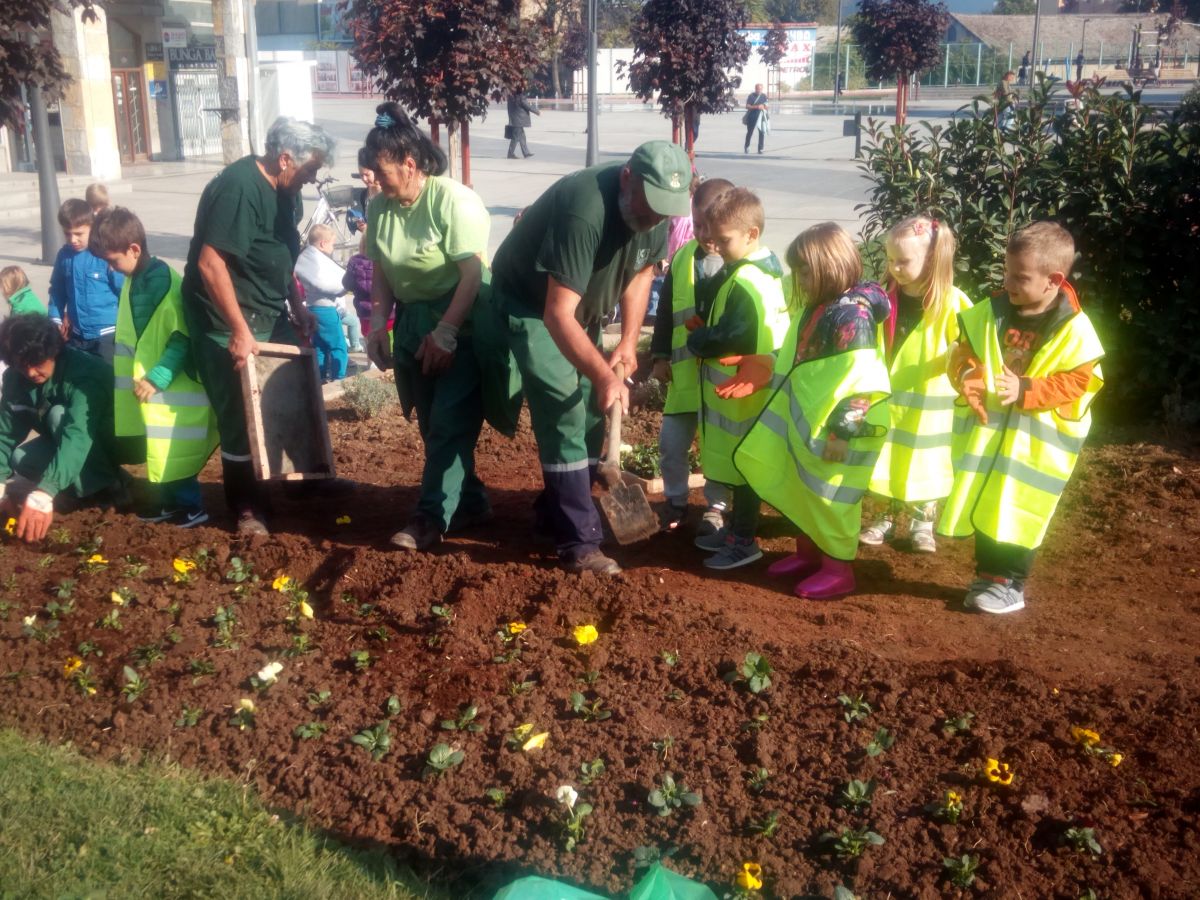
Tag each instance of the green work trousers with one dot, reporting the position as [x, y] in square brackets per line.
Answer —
[449, 407]
[568, 428]
[214, 367]
[30, 459]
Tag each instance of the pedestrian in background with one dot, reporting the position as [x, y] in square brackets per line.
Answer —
[518, 120]
[755, 118]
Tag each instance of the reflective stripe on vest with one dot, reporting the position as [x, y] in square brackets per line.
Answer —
[916, 463]
[725, 422]
[1010, 473]
[781, 457]
[179, 424]
[683, 393]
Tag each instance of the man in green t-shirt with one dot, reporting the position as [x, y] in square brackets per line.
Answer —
[586, 246]
[238, 287]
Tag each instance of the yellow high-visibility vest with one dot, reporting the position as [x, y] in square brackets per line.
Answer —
[781, 457]
[725, 422]
[179, 423]
[683, 394]
[1010, 473]
[915, 462]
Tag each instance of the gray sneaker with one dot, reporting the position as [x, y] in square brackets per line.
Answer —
[595, 562]
[712, 542]
[997, 597]
[418, 534]
[711, 522]
[736, 552]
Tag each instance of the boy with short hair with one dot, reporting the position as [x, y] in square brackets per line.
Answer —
[321, 279]
[65, 395]
[1028, 367]
[83, 289]
[749, 317]
[688, 290]
[157, 397]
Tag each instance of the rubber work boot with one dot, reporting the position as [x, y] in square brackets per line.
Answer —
[419, 534]
[595, 561]
[805, 561]
[834, 578]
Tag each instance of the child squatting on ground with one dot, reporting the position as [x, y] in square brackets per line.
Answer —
[687, 291]
[749, 316]
[321, 279]
[83, 289]
[66, 396]
[1028, 366]
[915, 470]
[811, 452]
[161, 412]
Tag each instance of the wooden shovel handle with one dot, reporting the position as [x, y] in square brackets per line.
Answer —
[612, 450]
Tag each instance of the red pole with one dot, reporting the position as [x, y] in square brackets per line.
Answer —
[433, 131]
[466, 152]
[675, 128]
[689, 118]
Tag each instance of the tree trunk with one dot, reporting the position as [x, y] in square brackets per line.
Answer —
[466, 153]
[901, 97]
[675, 128]
[689, 126]
[454, 151]
[555, 82]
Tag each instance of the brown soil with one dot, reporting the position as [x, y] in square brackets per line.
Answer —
[1108, 641]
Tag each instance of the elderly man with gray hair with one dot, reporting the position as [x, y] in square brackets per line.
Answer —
[238, 287]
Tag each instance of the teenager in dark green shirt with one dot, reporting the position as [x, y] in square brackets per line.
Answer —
[584, 247]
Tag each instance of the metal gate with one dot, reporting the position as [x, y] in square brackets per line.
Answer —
[199, 130]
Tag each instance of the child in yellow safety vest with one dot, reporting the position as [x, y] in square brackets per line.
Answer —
[157, 398]
[1028, 367]
[687, 293]
[811, 452]
[749, 316]
[914, 470]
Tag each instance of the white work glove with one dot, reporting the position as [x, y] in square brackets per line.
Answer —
[40, 501]
[445, 336]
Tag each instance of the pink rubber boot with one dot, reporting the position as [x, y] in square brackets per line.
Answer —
[834, 579]
[805, 561]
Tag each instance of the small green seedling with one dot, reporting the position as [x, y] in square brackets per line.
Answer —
[200, 668]
[961, 870]
[956, 725]
[135, 685]
[756, 780]
[147, 655]
[669, 657]
[949, 809]
[766, 827]
[517, 688]
[857, 795]
[392, 706]
[589, 712]
[64, 589]
[189, 717]
[883, 740]
[317, 699]
[755, 671]
[465, 720]
[376, 740]
[1083, 840]
[442, 758]
[854, 709]
[671, 796]
[591, 771]
[498, 797]
[361, 660]
[851, 843]
[310, 730]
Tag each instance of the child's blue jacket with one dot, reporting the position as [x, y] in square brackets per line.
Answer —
[86, 289]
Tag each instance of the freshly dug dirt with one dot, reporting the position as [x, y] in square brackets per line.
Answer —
[1109, 641]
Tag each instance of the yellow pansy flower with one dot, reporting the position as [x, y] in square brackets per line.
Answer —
[515, 628]
[282, 583]
[998, 772]
[1114, 759]
[96, 560]
[245, 705]
[71, 666]
[536, 742]
[750, 878]
[1084, 736]
[11, 525]
[305, 610]
[342, 520]
[585, 634]
[183, 566]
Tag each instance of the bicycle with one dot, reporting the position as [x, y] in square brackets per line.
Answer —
[332, 206]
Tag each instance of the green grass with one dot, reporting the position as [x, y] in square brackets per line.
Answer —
[70, 827]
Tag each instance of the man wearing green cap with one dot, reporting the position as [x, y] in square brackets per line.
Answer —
[584, 247]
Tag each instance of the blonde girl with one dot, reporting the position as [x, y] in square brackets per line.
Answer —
[914, 470]
[811, 452]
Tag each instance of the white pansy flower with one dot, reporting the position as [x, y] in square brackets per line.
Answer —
[566, 795]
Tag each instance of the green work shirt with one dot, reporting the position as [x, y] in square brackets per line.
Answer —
[26, 301]
[82, 384]
[575, 232]
[418, 247]
[253, 224]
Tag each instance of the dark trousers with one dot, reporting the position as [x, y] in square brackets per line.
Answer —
[518, 137]
[750, 129]
[1002, 560]
[743, 518]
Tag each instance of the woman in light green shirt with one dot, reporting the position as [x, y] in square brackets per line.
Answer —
[426, 235]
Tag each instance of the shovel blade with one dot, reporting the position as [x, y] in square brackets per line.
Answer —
[628, 513]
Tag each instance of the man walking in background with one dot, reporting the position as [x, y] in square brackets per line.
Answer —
[518, 120]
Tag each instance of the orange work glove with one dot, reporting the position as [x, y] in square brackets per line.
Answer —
[693, 323]
[974, 389]
[753, 374]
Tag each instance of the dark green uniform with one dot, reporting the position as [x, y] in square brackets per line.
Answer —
[574, 232]
[253, 224]
[72, 413]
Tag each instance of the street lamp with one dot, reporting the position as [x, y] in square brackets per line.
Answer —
[590, 159]
[837, 52]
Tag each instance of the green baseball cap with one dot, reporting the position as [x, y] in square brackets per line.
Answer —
[666, 174]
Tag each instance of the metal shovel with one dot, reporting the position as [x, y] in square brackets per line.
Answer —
[624, 506]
